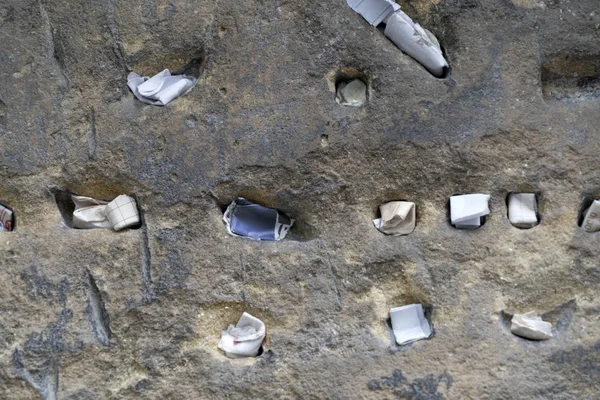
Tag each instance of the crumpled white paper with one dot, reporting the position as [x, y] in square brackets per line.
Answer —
[522, 210]
[118, 214]
[161, 88]
[246, 219]
[591, 220]
[6, 219]
[409, 323]
[353, 93]
[245, 339]
[409, 36]
[531, 326]
[397, 218]
[466, 210]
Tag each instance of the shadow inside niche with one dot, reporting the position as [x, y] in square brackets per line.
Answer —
[14, 216]
[572, 76]
[585, 204]
[66, 207]
[344, 76]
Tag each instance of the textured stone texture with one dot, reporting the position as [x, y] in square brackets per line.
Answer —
[138, 314]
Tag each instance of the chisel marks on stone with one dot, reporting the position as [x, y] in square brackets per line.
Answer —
[96, 311]
[45, 381]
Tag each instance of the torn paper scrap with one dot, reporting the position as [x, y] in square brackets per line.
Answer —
[409, 323]
[161, 88]
[591, 219]
[246, 219]
[118, 214]
[412, 39]
[245, 339]
[397, 218]
[353, 93]
[522, 210]
[467, 211]
[6, 219]
[530, 326]
[374, 11]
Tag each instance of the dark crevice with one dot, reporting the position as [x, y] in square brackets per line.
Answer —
[97, 313]
[146, 257]
[91, 135]
[571, 77]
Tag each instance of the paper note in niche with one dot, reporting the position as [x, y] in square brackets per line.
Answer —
[467, 210]
[246, 219]
[118, 214]
[591, 217]
[245, 339]
[160, 89]
[531, 326]
[397, 218]
[409, 323]
[374, 11]
[6, 219]
[522, 210]
[353, 93]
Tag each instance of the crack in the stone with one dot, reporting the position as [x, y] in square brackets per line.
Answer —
[51, 48]
[97, 313]
[91, 135]
[45, 382]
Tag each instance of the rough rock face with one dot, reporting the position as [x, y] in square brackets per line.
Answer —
[138, 314]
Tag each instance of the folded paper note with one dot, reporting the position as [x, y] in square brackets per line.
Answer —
[409, 323]
[353, 93]
[591, 219]
[246, 219]
[118, 214]
[467, 211]
[6, 219]
[522, 210]
[409, 36]
[161, 88]
[397, 218]
[245, 339]
[530, 326]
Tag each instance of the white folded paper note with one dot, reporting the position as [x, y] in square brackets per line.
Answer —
[397, 218]
[409, 323]
[522, 210]
[466, 210]
[353, 93]
[245, 339]
[6, 219]
[531, 326]
[374, 11]
[591, 220]
[90, 213]
[161, 88]
[412, 39]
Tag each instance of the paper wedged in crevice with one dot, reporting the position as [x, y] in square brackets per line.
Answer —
[246, 219]
[120, 213]
[245, 339]
[591, 219]
[160, 89]
[530, 326]
[467, 210]
[6, 219]
[397, 218]
[522, 210]
[409, 324]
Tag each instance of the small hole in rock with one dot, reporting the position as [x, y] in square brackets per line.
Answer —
[324, 140]
[586, 203]
[351, 87]
[223, 91]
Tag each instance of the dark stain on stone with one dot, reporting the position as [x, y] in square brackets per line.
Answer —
[426, 388]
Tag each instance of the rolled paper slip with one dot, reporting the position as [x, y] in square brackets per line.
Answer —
[160, 89]
[353, 93]
[90, 213]
[409, 323]
[412, 39]
[6, 219]
[530, 326]
[397, 218]
[122, 212]
[522, 210]
[467, 210]
[591, 220]
[246, 219]
[374, 11]
[245, 339]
